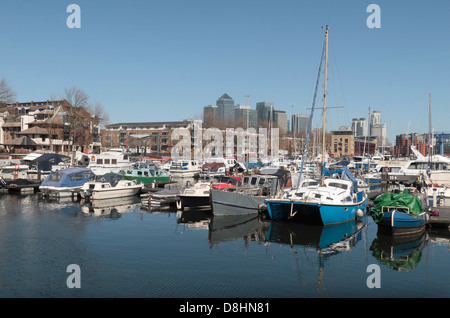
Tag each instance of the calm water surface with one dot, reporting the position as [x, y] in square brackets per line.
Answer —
[124, 250]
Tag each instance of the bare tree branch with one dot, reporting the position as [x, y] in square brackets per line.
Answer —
[98, 111]
[76, 97]
[7, 95]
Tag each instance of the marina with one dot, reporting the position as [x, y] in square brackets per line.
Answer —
[243, 153]
[125, 250]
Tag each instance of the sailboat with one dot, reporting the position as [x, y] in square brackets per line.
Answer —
[329, 201]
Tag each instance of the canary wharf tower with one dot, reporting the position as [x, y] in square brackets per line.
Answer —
[225, 107]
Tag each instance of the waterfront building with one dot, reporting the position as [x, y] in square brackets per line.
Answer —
[342, 142]
[403, 143]
[157, 136]
[55, 126]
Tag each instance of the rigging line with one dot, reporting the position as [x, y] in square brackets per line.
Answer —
[311, 115]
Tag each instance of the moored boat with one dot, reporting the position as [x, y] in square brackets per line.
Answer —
[109, 186]
[399, 214]
[145, 173]
[185, 168]
[195, 197]
[63, 182]
[246, 199]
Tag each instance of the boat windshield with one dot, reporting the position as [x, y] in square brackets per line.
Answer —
[56, 176]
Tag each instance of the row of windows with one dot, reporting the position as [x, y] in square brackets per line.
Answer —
[106, 161]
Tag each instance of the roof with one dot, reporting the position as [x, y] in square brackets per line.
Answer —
[33, 131]
[225, 96]
[22, 141]
[15, 124]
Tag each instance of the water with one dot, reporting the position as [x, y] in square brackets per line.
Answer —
[128, 251]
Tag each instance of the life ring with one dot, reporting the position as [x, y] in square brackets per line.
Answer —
[93, 158]
[16, 166]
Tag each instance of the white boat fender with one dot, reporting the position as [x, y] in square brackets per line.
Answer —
[178, 204]
[359, 213]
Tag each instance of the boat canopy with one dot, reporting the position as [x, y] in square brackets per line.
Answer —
[47, 160]
[70, 177]
[404, 201]
[346, 174]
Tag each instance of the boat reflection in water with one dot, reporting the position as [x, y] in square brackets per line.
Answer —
[399, 253]
[112, 208]
[194, 219]
[224, 228]
[326, 239]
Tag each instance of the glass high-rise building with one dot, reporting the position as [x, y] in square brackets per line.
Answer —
[225, 106]
[265, 111]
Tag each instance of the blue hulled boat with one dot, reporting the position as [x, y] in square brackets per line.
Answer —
[328, 202]
[333, 202]
[399, 214]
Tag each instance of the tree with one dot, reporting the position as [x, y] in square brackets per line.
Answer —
[99, 113]
[7, 95]
[76, 97]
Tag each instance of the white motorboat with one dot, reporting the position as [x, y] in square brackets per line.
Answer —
[110, 186]
[64, 182]
[106, 162]
[437, 168]
[185, 168]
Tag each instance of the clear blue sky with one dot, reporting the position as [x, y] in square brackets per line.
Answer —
[161, 60]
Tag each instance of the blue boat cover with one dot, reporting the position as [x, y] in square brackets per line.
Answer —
[70, 177]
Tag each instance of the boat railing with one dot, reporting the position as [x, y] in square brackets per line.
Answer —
[395, 208]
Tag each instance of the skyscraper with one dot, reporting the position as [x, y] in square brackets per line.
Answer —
[265, 111]
[225, 107]
[359, 127]
[299, 123]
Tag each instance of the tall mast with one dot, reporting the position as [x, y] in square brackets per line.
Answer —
[429, 133]
[324, 102]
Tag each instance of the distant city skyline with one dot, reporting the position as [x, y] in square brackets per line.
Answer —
[166, 60]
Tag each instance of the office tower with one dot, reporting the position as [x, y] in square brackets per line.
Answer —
[225, 106]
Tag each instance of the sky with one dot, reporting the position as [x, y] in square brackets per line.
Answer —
[164, 60]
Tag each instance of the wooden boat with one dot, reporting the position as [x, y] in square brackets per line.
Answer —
[399, 214]
[109, 186]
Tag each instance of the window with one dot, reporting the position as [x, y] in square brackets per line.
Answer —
[107, 161]
[99, 161]
[56, 176]
[79, 176]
